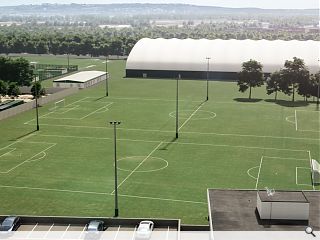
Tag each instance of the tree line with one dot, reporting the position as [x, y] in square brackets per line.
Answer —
[96, 41]
[15, 73]
[294, 78]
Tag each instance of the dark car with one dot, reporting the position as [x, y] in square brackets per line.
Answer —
[10, 224]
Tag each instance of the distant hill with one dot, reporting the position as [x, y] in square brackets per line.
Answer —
[143, 9]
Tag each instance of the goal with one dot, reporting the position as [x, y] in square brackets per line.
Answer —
[58, 104]
[315, 172]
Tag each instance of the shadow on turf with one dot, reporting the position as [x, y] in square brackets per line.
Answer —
[97, 99]
[168, 144]
[247, 100]
[288, 103]
[22, 136]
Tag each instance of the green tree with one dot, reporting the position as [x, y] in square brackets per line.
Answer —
[315, 85]
[3, 89]
[273, 84]
[13, 90]
[37, 90]
[251, 76]
[293, 74]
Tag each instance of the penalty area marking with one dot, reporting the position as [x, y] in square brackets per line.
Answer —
[302, 184]
[29, 159]
[211, 115]
[144, 171]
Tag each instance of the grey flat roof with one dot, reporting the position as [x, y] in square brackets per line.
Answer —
[235, 210]
[81, 77]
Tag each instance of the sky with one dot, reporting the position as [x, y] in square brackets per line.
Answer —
[271, 4]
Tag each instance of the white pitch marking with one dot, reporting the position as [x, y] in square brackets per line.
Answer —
[248, 172]
[37, 159]
[259, 173]
[200, 133]
[149, 99]
[179, 143]
[53, 190]
[310, 159]
[298, 159]
[296, 119]
[162, 199]
[96, 111]
[27, 160]
[185, 122]
[287, 119]
[17, 141]
[146, 158]
[12, 149]
[100, 193]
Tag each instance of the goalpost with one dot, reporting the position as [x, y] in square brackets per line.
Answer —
[58, 104]
[315, 172]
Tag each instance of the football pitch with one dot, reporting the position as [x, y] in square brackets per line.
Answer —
[67, 168]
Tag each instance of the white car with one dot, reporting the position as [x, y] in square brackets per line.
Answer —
[144, 230]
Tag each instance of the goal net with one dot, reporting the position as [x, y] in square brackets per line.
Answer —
[315, 171]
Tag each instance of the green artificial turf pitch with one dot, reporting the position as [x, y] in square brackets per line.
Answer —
[67, 168]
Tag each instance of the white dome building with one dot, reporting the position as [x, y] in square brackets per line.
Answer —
[166, 58]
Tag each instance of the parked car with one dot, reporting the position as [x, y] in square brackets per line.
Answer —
[144, 230]
[94, 229]
[10, 224]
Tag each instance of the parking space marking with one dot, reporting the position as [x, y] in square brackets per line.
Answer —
[32, 230]
[115, 237]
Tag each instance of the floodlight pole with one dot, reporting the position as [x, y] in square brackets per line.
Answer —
[208, 62]
[107, 87]
[177, 107]
[36, 96]
[116, 208]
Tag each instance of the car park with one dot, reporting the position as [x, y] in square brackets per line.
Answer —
[144, 230]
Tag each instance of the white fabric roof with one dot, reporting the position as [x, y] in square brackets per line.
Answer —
[81, 77]
[226, 55]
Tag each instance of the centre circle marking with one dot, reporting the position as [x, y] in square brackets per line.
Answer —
[165, 164]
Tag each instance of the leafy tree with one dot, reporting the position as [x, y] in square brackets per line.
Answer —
[273, 84]
[37, 90]
[293, 74]
[251, 76]
[3, 89]
[16, 70]
[315, 85]
[13, 90]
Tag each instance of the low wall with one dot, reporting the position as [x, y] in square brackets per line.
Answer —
[41, 101]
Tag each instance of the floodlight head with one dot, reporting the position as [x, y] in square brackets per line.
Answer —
[115, 122]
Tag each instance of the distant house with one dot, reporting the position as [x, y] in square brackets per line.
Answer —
[80, 80]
